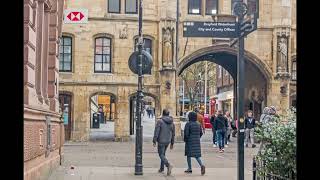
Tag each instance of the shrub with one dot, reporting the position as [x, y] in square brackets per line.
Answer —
[278, 151]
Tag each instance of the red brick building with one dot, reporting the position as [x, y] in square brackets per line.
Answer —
[43, 128]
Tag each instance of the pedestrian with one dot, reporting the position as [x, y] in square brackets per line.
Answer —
[213, 130]
[200, 119]
[192, 135]
[220, 125]
[164, 134]
[229, 128]
[249, 124]
[265, 116]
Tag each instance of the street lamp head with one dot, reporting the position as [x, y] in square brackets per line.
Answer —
[240, 9]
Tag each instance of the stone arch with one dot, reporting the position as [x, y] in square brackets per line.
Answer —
[198, 55]
[226, 57]
[103, 92]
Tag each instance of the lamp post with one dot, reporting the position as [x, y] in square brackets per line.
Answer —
[138, 152]
[240, 9]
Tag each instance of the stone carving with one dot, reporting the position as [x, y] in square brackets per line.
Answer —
[168, 85]
[282, 54]
[124, 33]
[167, 48]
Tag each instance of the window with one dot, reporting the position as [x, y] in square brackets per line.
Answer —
[102, 55]
[147, 46]
[211, 7]
[114, 6]
[131, 6]
[194, 7]
[294, 70]
[225, 72]
[65, 56]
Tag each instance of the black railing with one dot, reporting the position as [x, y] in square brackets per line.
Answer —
[258, 174]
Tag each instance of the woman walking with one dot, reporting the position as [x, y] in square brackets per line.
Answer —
[192, 135]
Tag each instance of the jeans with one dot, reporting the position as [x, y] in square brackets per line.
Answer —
[249, 132]
[227, 135]
[189, 162]
[220, 138]
[214, 136]
[162, 148]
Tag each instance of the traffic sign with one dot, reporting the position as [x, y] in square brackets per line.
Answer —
[75, 16]
[146, 62]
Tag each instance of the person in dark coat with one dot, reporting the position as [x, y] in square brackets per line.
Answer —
[164, 134]
[192, 135]
[213, 131]
[220, 125]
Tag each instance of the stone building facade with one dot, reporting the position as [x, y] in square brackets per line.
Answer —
[43, 130]
[116, 21]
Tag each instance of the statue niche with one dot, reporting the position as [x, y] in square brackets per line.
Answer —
[282, 54]
[167, 50]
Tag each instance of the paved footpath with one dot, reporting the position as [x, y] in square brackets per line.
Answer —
[103, 160]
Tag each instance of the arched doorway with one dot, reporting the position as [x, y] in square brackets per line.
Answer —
[66, 107]
[150, 112]
[258, 74]
[102, 107]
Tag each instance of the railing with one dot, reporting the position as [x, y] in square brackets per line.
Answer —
[257, 175]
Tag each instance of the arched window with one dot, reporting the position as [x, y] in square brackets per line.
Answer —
[147, 46]
[65, 56]
[294, 70]
[102, 55]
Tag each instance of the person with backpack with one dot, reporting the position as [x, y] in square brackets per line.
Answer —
[220, 126]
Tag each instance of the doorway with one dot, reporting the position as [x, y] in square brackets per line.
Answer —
[66, 109]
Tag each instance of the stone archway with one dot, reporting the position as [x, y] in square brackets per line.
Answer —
[226, 57]
[131, 113]
[106, 131]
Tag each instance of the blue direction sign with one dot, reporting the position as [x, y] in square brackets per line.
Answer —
[211, 29]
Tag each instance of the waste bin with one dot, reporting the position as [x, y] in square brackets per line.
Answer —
[96, 120]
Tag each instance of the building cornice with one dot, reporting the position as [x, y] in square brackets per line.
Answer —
[61, 83]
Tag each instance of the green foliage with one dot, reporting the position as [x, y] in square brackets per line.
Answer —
[279, 145]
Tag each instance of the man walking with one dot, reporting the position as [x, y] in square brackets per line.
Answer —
[164, 134]
[213, 130]
[220, 125]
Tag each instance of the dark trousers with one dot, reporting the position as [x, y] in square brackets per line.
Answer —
[220, 138]
[162, 148]
[214, 139]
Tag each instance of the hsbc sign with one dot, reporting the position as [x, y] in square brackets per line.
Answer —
[75, 16]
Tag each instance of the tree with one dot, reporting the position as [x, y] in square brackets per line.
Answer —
[195, 74]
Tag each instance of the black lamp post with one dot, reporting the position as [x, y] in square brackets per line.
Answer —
[240, 9]
[138, 153]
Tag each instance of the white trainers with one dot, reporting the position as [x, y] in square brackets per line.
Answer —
[214, 145]
[226, 145]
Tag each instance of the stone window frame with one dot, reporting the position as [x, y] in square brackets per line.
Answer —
[125, 8]
[153, 47]
[111, 38]
[71, 53]
[294, 71]
[115, 12]
[217, 7]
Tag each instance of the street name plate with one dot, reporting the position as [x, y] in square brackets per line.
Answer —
[210, 29]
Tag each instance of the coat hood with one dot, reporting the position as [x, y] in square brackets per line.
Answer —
[167, 119]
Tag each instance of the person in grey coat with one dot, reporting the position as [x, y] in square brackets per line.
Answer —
[265, 116]
[192, 135]
[164, 134]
